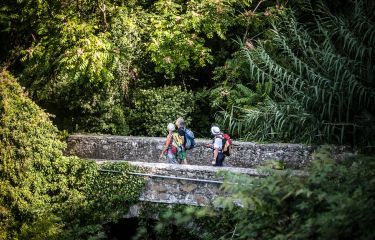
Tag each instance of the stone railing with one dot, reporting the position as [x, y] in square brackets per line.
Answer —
[147, 149]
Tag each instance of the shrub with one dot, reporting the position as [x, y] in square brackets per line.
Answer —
[43, 194]
[155, 107]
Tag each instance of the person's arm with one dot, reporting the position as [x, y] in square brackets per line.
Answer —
[166, 145]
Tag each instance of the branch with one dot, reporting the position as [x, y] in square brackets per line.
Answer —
[260, 2]
[248, 23]
[102, 8]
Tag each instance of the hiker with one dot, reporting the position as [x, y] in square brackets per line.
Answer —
[219, 156]
[180, 123]
[170, 151]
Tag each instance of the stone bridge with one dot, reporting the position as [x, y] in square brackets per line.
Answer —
[196, 183]
[182, 184]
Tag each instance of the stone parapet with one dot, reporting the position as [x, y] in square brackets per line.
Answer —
[147, 149]
[183, 184]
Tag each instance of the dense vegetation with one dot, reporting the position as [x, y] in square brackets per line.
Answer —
[265, 70]
[331, 202]
[89, 62]
[320, 74]
[273, 70]
[43, 194]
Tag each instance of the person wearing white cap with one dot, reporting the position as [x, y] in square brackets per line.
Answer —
[169, 150]
[218, 146]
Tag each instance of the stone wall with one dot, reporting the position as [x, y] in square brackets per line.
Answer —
[183, 184]
[147, 149]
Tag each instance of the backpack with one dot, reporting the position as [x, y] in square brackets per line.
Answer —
[177, 141]
[227, 144]
[189, 139]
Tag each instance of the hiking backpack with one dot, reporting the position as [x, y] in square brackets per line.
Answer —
[189, 139]
[177, 141]
[227, 144]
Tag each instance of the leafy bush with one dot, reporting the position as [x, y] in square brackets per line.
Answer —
[71, 73]
[155, 107]
[202, 116]
[321, 74]
[107, 198]
[43, 194]
[333, 201]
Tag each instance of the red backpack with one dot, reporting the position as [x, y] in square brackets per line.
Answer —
[227, 144]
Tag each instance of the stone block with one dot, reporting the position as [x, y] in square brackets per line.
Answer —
[188, 187]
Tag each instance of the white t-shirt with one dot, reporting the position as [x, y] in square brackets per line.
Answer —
[218, 143]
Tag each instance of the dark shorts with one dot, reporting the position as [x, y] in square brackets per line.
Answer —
[219, 159]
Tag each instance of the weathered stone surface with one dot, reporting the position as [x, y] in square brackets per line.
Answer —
[188, 187]
[146, 149]
[183, 184]
[158, 188]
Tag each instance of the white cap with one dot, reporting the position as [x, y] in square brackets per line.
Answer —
[215, 130]
[171, 127]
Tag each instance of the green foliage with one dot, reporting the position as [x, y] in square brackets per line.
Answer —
[82, 61]
[71, 73]
[28, 150]
[107, 198]
[178, 31]
[127, 30]
[308, 78]
[76, 54]
[155, 108]
[332, 201]
[202, 115]
[111, 193]
[43, 194]
[321, 75]
[77, 61]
